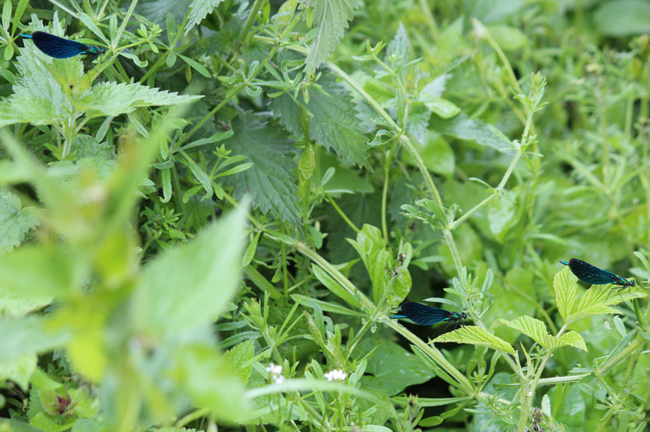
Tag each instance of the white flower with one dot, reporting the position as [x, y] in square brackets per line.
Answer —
[274, 369]
[276, 373]
[336, 375]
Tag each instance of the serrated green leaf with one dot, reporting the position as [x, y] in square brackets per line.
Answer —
[238, 356]
[28, 335]
[597, 299]
[331, 18]
[199, 10]
[113, 99]
[15, 221]
[565, 285]
[49, 423]
[573, 339]
[399, 51]
[476, 336]
[15, 304]
[19, 370]
[531, 327]
[270, 181]
[209, 381]
[189, 286]
[333, 123]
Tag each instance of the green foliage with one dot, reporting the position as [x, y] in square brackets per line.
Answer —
[209, 226]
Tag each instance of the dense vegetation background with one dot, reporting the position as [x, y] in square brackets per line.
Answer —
[208, 227]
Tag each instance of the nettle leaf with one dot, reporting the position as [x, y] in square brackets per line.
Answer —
[15, 221]
[19, 370]
[331, 17]
[565, 285]
[476, 336]
[28, 335]
[333, 122]
[270, 181]
[113, 99]
[199, 10]
[13, 303]
[157, 10]
[597, 299]
[189, 286]
[531, 327]
[38, 96]
[399, 50]
[239, 358]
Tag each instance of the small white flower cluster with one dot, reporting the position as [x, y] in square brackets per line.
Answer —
[336, 375]
[276, 373]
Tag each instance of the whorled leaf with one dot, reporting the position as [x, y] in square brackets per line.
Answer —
[476, 336]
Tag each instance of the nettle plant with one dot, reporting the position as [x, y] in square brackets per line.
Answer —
[212, 223]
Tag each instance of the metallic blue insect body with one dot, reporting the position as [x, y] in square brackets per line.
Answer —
[427, 315]
[60, 48]
[595, 276]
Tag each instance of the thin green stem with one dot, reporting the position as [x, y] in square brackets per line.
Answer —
[248, 24]
[340, 212]
[384, 195]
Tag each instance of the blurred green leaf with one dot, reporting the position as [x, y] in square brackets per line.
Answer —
[189, 286]
[623, 17]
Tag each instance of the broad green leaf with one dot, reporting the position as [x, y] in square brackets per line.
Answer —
[239, 358]
[370, 246]
[573, 339]
[113, 99]
[271, 181]
[597, 299]
[465, 128]
[508, 38]
[494, 11]
[15, 221]
[331, 18]
[623, 17]
[436, 153]
[28, 335]
[16, 426]
[565, 285]
[209, 381]
[15, 303]
[392, 367]
[501, 214]
[156, 10]
[333, 123]
[199, 10]
[38, 94]
[476, 336]
[531, 327]
[19, 369]
[58, 273]
[51, 423]
[189, 286]
[441, 107]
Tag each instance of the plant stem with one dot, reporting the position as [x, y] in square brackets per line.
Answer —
[384, 195]
[340, 212]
